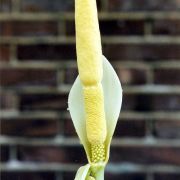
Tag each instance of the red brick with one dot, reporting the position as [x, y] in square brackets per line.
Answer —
[5, 6]
[130, 128]
[166, 102]
[137, 102]
[27, 175]
[42, 154]
[167, 129]
[70, 28]
[146, 155]
[27, 77]
[43, 102]
[4, 53]
[68, 175]
[165, 27]
[121, 27]
[143, 5]
[131, 76]
[165, 176]
[8, 101]
[69, 129]
[125, 176]
[30, 128]
[30, 28]
[46, 52]
[46, 5]
[148, 102]
[129, 102]
[70, 75]
[52, 154]
[4, 153]
[141, 52]
[167, 76]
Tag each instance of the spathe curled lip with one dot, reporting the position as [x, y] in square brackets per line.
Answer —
[112, 104]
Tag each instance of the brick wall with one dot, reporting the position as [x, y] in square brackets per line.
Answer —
[38, 66]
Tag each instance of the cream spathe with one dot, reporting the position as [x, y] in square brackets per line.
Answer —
[112, 105]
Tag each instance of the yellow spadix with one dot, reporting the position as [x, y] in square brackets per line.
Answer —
[96, 96]
[89, 58]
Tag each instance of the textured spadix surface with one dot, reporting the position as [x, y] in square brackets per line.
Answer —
[88, 42]
[95, 115]
[112, 105]
[89, 59]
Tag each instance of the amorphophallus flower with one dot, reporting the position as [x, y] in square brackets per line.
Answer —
[96, 95]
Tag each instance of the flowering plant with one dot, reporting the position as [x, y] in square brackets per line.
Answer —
[96, 95]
